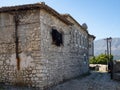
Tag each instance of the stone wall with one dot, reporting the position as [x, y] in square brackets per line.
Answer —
[28, 48]
[116, 70]
[64, 62]
[98, 67]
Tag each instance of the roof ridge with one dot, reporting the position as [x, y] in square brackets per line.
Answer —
[40, 5]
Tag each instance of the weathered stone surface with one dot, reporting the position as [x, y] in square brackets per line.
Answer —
[29, 42]
[62, 62]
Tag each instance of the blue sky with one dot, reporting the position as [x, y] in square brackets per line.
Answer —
[101, 16]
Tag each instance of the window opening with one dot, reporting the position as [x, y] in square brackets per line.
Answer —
[57, 37]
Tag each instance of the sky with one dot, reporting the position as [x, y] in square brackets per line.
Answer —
[101, 16]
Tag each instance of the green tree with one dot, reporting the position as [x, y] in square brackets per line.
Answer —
[93, 60]
[101, 59]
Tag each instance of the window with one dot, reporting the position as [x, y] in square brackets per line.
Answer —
[85, 58]
[76, 36]
[57, 37]
[80, 39]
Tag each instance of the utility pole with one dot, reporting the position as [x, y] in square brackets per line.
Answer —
[108, 40]
[107, 51]
[111, 61]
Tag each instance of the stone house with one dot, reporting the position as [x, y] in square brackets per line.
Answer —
[40, 47]
[91, 45]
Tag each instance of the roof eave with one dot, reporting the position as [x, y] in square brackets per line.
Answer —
[35, 6]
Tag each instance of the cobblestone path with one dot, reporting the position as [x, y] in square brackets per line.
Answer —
[95, 81]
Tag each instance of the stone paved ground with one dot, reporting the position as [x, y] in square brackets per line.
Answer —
[7, 87]
[95, 81]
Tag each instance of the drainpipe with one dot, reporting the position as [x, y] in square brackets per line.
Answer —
[17, 40]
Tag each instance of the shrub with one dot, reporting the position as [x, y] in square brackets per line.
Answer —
[101, 59]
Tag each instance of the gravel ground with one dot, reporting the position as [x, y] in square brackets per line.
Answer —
[95, 81]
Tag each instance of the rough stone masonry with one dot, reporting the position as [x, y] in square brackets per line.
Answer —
[40, 47]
